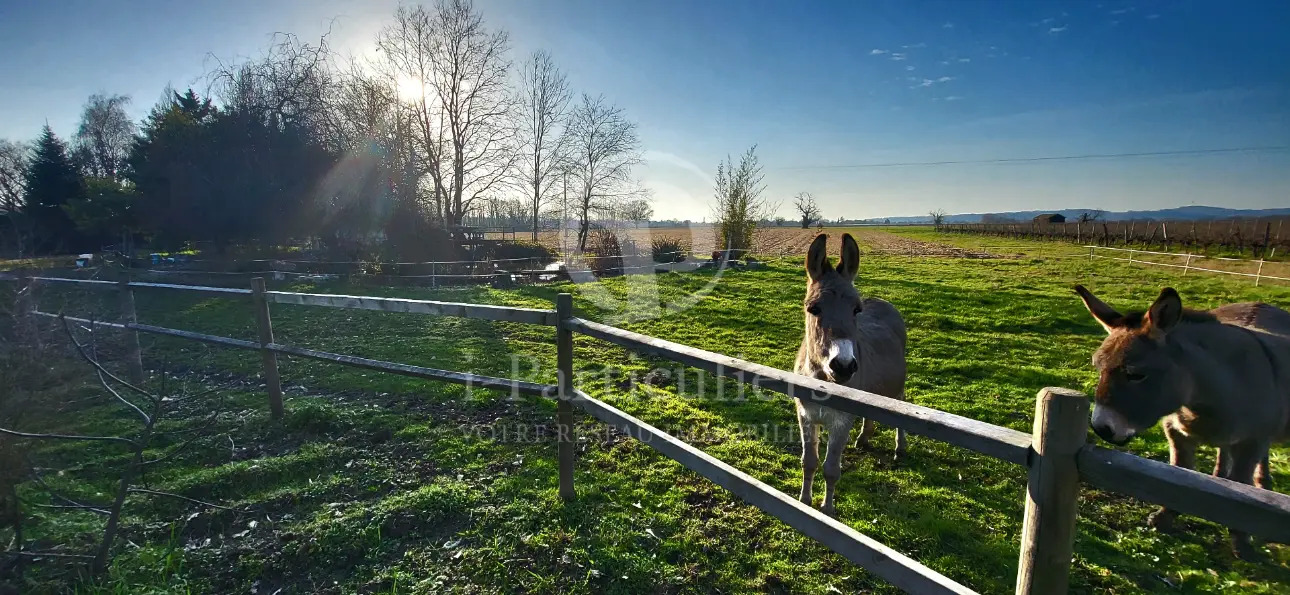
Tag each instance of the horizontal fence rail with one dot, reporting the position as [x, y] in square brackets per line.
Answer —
[380, 304]
[1244, 507]
[474, 380]
[998, 442]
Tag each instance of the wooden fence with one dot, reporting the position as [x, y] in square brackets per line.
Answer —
[1260, 236]
[1056, 454]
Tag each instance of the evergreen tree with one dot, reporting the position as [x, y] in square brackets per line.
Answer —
[52, 182]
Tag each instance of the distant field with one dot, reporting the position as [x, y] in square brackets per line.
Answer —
[382, 484]
[767, 241]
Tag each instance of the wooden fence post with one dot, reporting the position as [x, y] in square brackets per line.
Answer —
[272, 382]
[564, 405]
[1187, 265]
[25, 304]
[1052, 492]
[133, 355]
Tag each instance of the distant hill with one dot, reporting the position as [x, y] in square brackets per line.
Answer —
[1192, 213]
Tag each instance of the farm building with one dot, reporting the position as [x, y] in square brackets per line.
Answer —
[1050, 218]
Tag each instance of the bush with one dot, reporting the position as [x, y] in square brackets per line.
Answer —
[605, 252]
[669, 249]
[541, 255]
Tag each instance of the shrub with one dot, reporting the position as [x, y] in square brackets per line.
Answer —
[605, 252]
[669, 249]
[539, 253]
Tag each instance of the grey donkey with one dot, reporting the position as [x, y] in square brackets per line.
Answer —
[1220, 377]
[850, 340]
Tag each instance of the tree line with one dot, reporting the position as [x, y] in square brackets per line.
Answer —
[360, 155]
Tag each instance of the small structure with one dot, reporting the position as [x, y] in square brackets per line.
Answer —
[1050, 218]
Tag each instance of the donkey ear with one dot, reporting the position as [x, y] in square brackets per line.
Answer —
[1104, 314]
[850, 262]
[817, 257]
[1166, 311]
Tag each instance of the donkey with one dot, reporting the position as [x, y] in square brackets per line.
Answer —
[851, 341]
[1219, 378]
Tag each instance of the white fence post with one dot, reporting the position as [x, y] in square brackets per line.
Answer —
[1258, 275]
[1187, 265]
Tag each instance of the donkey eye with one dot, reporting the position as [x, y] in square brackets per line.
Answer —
[859, 309]
[814, 309]
[1135, 376]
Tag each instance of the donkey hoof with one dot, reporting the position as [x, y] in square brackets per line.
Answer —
[898, 458]
[830, 511]
[1244, 550]
[1162, 520]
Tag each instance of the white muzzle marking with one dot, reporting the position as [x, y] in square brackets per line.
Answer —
[1113, 421]
[843, 351]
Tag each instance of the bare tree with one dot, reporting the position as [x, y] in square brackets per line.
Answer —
[1091, 215]
[453, 71]
[13, 165]
[288, 86]
[149, 408]
[637, 210]
[806, 208]
[14, 158]
[602, 150]
[104, 137]
[938, 217]
[740, 203]
[543, 98]
[408, 46]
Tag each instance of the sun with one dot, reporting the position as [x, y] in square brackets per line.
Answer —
[409, 88]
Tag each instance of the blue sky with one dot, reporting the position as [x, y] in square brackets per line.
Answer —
[813, 84]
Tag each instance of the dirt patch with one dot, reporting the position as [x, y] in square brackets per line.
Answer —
[890, 243]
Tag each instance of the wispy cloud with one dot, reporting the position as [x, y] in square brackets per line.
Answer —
[964, 60]
[914, 45]
[930, 82]
[952, 98]
[1122, 10]
[878, 52]
[947, 26]
[909, 68]
[1057, 29]
[1152, 17]
[897, 56]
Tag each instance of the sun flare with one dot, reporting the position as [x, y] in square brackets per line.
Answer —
[410, 88]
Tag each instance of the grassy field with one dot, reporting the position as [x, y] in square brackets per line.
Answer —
[376, 483]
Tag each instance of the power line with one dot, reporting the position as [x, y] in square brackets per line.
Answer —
[1268, 149]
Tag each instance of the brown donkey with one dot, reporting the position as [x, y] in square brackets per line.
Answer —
[1220, 378]
[853, 341]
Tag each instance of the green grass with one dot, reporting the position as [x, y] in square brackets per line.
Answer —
[379, 483]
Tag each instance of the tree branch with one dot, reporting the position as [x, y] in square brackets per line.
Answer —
[178, 497]
[66, 437]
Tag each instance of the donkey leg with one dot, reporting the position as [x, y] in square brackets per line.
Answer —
[1182, 453]
[866, 434]
[839, 436]
[1263, 473]
[900, 440]
[1244, 458]
[901, 445]
[810, 455]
